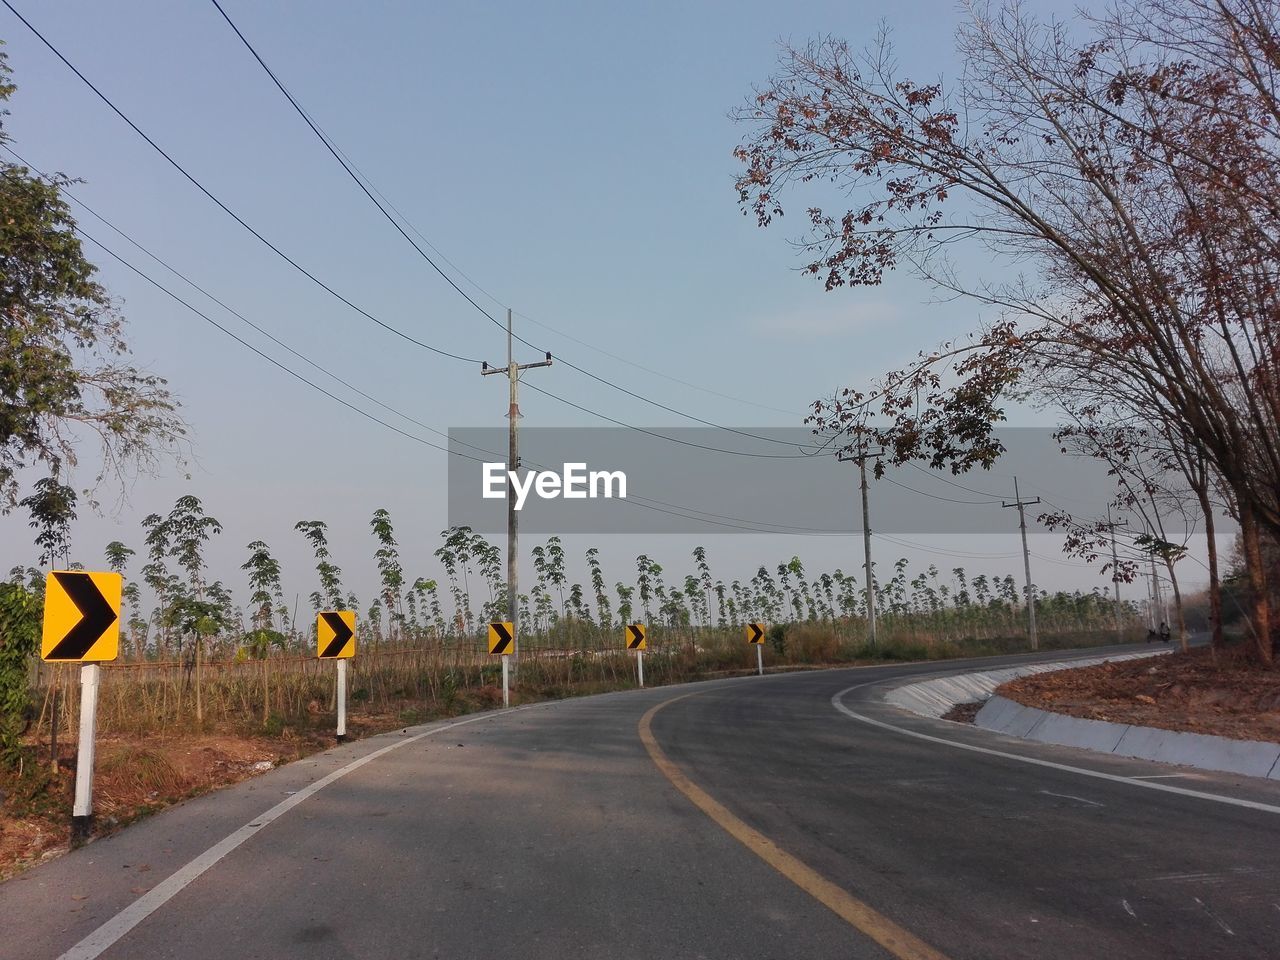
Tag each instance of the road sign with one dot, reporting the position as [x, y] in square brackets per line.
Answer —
[501, 636]
[336, 634]
[636, 636]
[81, 616]
[755, 633]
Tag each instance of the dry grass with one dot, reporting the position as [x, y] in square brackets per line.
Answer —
[294, 695]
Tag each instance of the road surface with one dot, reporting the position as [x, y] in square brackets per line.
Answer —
[789, 816]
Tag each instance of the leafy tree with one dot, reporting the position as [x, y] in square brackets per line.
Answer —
[316, 531]
[185, 531]
[599, 587]
[63, 372]
[389, 568]
[53, 508]
[556, 575]
[118, 560]
[624, 603]
[1131, 172]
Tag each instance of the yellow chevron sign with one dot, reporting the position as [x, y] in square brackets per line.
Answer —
[81, 616]
[637, 634]
[755, 633]
[336, 634]
[501, 637]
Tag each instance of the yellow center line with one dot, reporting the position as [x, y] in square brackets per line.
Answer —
[898, 941]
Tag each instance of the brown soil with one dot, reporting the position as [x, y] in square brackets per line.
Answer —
[1224, 695]
[133, 776]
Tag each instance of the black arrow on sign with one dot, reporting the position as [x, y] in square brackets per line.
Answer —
[757, 633]
[341, 634]
[637, 636]
[504, 638]
[96, 616]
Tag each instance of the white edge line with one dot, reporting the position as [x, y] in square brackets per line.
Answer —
[837, 702]
[112, 930]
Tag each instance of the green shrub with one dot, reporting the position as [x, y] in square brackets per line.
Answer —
[19, 629]
[777, 637]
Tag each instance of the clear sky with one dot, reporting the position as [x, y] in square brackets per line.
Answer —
[573, 159]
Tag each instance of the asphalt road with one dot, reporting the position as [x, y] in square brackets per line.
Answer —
[550, 833]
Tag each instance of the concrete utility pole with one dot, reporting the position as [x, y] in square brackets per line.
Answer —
[861, 461]
[1158, 611]
[512, 370]
[1026, 560]
[1115, 566]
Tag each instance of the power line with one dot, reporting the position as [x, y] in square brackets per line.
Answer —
[226, 209]
[946, 553]
[351, 173]
[274, 362]
[934, 496]
[948, 480]
[684, 512]
[332, 396]
[641, 366]
[660, 436]
[689, 416]
[337, 155]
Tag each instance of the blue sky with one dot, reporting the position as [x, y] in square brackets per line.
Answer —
[573, 159]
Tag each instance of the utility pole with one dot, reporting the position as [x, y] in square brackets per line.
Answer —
[1157, 608]
[512, 370]
[861, 461]
[1026, 559]
[1115, 567]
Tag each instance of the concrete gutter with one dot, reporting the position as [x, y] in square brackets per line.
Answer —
[933, 698]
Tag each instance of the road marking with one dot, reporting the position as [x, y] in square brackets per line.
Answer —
[837, 702]
[1215, 918]
[896, 940]
[1069, 796]
[1128, 909]
[106, 935]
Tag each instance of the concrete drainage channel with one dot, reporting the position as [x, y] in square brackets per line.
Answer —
[933, 698]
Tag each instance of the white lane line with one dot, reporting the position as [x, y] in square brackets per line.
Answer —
[1165, 776]
[102, 938]
[837, 702]
[1069, 796]
[1128, 909]
[1215, 918]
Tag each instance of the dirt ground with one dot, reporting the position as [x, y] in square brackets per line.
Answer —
[134, 776]
[1224, 695]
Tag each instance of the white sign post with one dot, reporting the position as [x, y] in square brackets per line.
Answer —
[342, 700]
[82, 810]
[759, 659]
[506, 689]
[640, 665]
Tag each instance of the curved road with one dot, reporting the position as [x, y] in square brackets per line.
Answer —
[794, 815]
